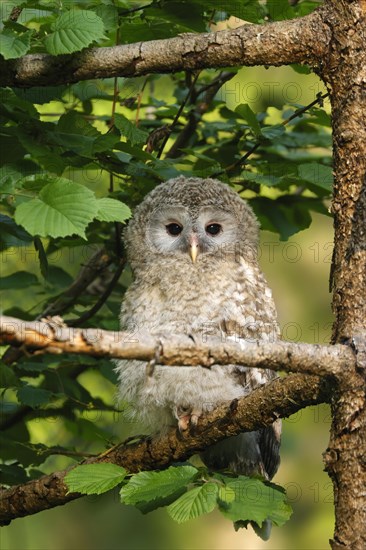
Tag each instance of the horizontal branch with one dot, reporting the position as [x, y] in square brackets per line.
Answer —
[303, 40]
[178, 350]
[280, 398]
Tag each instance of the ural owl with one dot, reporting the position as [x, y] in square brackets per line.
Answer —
[192, 247]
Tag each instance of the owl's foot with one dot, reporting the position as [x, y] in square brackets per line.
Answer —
[187, 418]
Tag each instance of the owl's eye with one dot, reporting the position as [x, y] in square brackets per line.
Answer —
[174, 229]
[213, 228]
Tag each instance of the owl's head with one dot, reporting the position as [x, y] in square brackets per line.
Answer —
[193, 220]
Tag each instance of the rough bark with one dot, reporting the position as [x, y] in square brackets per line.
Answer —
[280, 398]
[344, 72]
[181, 350]
[296, 41]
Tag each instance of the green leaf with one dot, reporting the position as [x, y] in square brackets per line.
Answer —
[62, 208]
[12, 234]
[147, 486]
[73, 31]
[245, 112]
[40, 94]
[13, 45]
[194, 503]
[20, 280]
[94, 478]
[33, 397]
[268, 180]
[250, 499]
[273, 132]
[109, 16]
[129, 130]
[7, 377]
[317, 174]
[111, 210]
[279, 10]
[12, 474]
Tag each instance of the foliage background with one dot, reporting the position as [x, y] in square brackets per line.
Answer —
[297, 269]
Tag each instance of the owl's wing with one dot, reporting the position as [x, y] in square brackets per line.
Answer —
[250, 316]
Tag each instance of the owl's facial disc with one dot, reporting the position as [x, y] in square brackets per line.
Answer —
[176, 229]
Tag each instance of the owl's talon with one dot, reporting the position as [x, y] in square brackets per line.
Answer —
[194, 419]
[183, 423]
[187, 418]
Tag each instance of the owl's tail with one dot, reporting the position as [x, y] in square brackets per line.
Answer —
[250, 454]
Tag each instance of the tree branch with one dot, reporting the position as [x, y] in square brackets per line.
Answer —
[303, 40]
[181, 350]
[280, 398]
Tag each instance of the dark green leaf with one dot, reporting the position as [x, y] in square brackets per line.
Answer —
[33, 397]
[7, 377]
[318, 174]
[12, 474]
[129, 130]
[42, 257]
[20, 279]
[273, 132]
[246, 113]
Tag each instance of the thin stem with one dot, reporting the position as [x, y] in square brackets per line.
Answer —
[176, 118]
[103, 298]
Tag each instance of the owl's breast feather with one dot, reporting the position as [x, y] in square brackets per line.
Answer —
[154, 398]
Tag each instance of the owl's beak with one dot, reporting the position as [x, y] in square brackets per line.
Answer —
[193, 247]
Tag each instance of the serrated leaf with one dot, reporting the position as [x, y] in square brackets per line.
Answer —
[250, 499]
[13, 45]
[73, 31]
[94, 478]
[317, 174]
[111, 210]
[194, 503]
[268, 180]
[62, 208]
[33, 397]
[147, 486]
[129, 130]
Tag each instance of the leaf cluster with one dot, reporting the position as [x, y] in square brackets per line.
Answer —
[186, 492]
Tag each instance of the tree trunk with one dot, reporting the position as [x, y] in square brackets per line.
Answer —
[344, 72]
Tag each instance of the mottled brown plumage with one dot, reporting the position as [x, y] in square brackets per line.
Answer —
[192, 246]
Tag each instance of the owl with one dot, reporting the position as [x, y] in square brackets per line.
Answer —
[192, 247]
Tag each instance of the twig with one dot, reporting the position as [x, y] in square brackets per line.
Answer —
[195, 116]
[240, 162]
[103, 298]
[176, 118]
